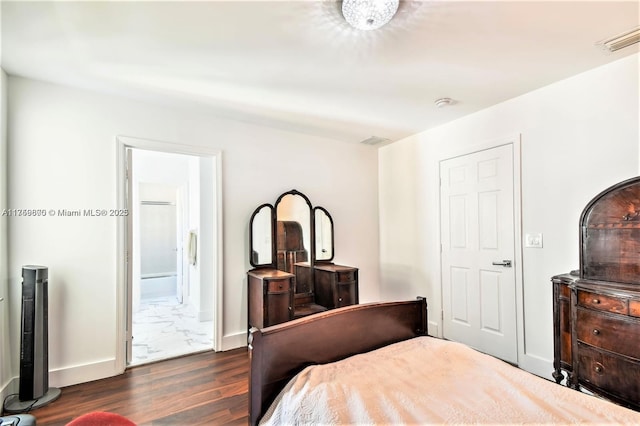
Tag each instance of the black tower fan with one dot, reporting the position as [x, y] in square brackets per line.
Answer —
[34, 351]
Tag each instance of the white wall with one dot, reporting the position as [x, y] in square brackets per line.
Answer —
[5, 348]
[62, 154]
[579, 136]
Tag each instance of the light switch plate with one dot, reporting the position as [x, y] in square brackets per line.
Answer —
[533, 240]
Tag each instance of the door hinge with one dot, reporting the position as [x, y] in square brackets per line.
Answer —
[442, 314]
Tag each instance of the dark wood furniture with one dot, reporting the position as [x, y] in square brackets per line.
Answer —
[597, 308]
[293, 237]
[335, 286]
[270, 297]
[562, 359]
[322, 338]
[290, 245]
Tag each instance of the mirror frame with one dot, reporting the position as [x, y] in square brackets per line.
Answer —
[311, 225]
[273, 235]
[333, 241]
[274, 219]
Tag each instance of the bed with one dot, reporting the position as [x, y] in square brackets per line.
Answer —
[375, 364]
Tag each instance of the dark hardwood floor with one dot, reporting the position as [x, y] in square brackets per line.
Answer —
[209, 388]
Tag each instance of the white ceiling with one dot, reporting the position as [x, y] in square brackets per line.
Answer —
[297, 65]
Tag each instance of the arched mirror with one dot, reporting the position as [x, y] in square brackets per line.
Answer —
[323, 234]
[261, 236]
[293, 230]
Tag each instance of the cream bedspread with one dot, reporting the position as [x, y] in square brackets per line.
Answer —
[431, 381]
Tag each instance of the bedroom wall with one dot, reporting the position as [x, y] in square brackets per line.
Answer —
[5, 353]
[579, 136]
[62, 154]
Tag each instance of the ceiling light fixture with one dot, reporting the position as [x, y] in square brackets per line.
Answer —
[369, 14]
[621, 40]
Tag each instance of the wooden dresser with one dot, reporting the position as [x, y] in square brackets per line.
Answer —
[270, 297]
[291, 248]
[335, 285]
[597, 308]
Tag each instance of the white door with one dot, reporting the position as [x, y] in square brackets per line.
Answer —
[478, 247]
[4, 339]
[129, 256]
[180, 237]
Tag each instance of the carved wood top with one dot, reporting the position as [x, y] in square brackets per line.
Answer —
[610, 235]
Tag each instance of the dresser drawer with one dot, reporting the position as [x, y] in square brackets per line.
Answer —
[346, 276]
[609, 373]
[346, 294]
[279, 286]
[602, 302]
[605, 331]
[634, 308]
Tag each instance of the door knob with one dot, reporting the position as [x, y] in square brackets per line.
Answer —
[505, 263]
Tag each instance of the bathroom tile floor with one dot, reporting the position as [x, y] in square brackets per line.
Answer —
[164, 328]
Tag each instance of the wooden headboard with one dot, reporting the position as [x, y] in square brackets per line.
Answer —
[279, 352]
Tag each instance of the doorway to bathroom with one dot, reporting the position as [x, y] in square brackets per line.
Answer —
[171, 252]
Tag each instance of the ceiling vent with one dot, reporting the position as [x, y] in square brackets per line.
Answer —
[374, 140]
[620, 41]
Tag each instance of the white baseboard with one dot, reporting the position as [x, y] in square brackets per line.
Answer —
[205, 316]
[233, 341]
[68, 376]
[536, 365]
[11, 387]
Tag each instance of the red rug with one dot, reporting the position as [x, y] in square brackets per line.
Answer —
[101, 418]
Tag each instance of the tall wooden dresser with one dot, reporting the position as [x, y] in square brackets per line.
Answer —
[597, 308]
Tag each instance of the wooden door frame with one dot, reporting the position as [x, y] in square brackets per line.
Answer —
[515, 141]
[123, 143]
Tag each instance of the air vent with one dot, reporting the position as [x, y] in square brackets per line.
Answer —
[374, 140]
[621, 40]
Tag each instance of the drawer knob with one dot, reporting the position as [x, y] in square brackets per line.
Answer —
[596, 331]
[280, 286]
[598, 368]
[596, 301]
[340, 299]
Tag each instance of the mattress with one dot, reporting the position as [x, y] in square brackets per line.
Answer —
[432, 381]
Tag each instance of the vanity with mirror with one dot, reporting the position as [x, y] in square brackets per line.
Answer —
[291, 251]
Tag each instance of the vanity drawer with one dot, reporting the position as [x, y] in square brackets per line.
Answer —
[346, 276]
[609, 373]
[604, 331]
[279, 286]
[602, 302]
